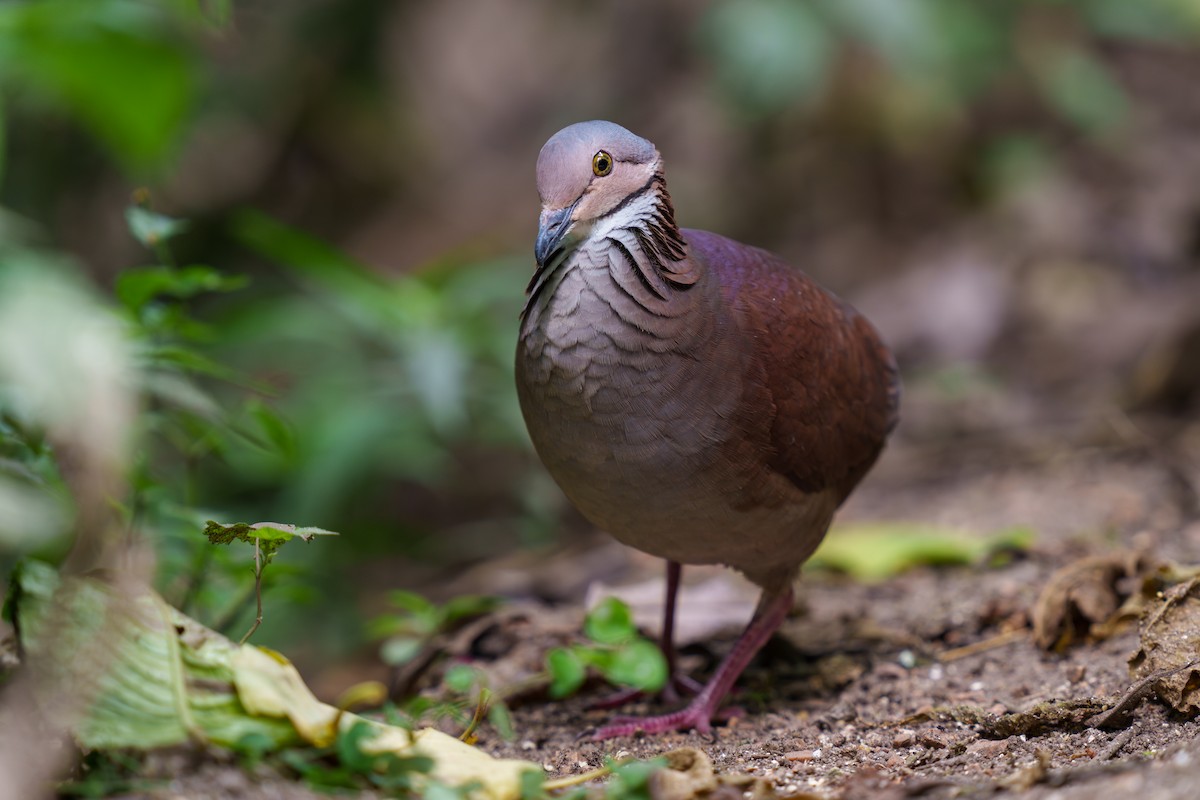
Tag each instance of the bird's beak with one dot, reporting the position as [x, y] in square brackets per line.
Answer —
[553, 225]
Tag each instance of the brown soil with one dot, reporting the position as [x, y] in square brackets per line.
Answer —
[868, 692]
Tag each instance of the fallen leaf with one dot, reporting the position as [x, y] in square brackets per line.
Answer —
[1170, 640]
[689, 774]
[875, 551]
[169, 680]
[1081, 597]
[158, 678]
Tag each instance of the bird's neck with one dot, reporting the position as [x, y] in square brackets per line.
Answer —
[638, 241]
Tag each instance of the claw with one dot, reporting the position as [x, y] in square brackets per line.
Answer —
[697, 716]
[678, 687]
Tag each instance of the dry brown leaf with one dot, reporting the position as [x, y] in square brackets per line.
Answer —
[1081, 599]
[1170, 640]
[690, 775]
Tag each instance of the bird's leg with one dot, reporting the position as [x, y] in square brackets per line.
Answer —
[698, 714]
[678, 684]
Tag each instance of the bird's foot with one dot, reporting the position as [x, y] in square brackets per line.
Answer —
[678, 687]
[697, 715]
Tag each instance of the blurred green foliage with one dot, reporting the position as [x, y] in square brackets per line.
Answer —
[931, 58]
[123, 68]
[416, 622]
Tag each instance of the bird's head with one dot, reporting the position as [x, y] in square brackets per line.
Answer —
[585, 172]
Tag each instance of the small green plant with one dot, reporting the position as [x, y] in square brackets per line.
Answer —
[470, 682]
[347, 765]
[105, 773]
[408, 631]
[267, 538]
[616, 651]
[630, 781]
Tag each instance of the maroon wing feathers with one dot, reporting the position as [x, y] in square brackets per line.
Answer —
[831, 381]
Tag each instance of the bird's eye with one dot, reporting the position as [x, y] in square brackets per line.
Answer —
[602, 163]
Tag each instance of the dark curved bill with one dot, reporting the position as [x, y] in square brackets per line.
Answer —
[552, 227]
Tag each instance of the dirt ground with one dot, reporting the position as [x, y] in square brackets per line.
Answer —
[870, 689]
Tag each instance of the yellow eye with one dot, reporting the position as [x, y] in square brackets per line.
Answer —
[602, 163]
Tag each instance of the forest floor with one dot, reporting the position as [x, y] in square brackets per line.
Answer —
[910, 686]
[901, 688]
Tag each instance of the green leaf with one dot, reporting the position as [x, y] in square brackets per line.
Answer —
[400, 650]
[502, 721]
[413, 603]
[188, 360]
[349, 745]
[461, 677]
[293, 248]
[875, 551]
[277, 432]
[267, 532]
[166, 679]
[151, 228]
[468, 605]
[567, 672]
[768, 53]
[118, 66]
[1083, 91]
[639, 664]
[631, 779]
[610, 622]
[136, 287]
[531, 785]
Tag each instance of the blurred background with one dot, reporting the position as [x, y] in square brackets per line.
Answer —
[315, 221]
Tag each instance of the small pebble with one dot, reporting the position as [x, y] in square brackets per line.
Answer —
[987, 747]
[935, 739]
[904, 739]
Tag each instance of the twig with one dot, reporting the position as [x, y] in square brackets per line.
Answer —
[576, 780]
[482, 706]
[1133, 697]
[258, 570]
[1119, 741]
[999, 640]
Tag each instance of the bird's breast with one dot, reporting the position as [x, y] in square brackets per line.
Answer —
[632, 411]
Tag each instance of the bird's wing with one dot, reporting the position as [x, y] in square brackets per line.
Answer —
[830, 384]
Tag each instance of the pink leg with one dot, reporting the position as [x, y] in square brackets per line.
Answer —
[678, 683]
[698, 714]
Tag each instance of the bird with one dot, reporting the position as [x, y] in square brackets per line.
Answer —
[697, 398]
